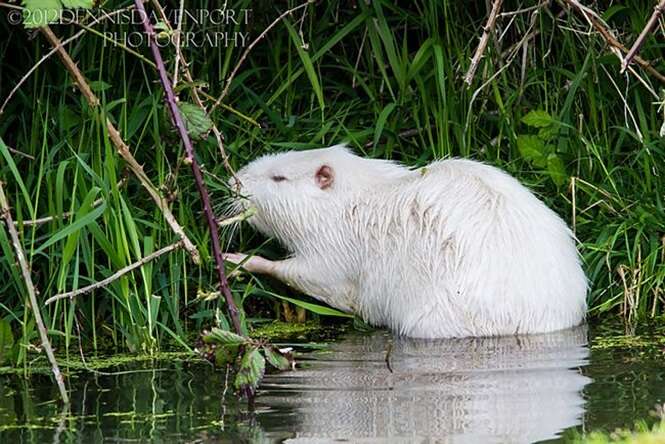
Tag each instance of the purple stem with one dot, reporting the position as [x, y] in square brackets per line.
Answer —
[196, 170]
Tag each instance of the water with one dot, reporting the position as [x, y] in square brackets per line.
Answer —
[496, 390]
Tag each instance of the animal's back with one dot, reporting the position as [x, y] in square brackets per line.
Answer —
[463, 249]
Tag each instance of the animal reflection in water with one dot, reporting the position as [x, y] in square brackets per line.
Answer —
[489, 390]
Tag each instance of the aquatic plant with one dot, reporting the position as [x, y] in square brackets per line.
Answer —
[642, 433]
[225, 347]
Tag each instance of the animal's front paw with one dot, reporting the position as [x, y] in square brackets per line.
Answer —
[234, 258]
[253, 264]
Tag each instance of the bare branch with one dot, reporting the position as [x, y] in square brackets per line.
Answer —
[5, 213]
[115, 276]
[527, 38]
[19, 153]
[176, 42]
[196, 170]
[595, 21]
[484, 39]
[653, 21]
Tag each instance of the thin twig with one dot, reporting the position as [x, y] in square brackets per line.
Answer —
[653, 21]
[355, 65]
[115, 276]
[627, 112]
[195, 93]
[122, 147]
[530, 36]
[34, 67]
[595, 21]
[176, 41]
[5, 213]
[63, 216]
[509, 60]
[249, 48]
[47, 219]
[524, 10]
[20, 153]
[196, 170]
[484, 39]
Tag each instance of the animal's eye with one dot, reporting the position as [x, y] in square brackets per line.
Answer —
[278, 178]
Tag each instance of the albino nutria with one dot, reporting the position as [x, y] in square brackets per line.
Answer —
[457, 248]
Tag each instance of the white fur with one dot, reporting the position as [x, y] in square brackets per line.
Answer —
[458, 248]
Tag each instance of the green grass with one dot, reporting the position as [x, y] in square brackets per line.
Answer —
[642, 434]
[384, 77]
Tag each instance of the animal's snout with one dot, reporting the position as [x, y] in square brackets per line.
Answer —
[239, 192]
[235, 182]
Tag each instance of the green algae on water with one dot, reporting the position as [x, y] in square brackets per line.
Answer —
[40, 365]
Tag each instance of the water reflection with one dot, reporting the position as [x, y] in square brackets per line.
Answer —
[493, 390]
[511, 389]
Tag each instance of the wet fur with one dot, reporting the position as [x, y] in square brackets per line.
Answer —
[458, 248]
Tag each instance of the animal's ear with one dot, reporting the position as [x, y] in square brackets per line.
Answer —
[324, 177]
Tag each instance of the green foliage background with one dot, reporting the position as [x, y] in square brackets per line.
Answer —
[386, 77]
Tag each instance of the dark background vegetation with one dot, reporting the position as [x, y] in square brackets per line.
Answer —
[548, 104]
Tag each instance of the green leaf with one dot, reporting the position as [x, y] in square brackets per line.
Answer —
[323, 50]
[226, 355]
[6, 340]
[541, 162]
[612, 10]
[38, 13]
[7, 252]
[387, 36]
[60, 191]
[99, 86]
[72, 228]
[381, 122]
[161, 26]
[556, 170]
[530, 147]
[68, 118]
[84, 4]
[306, 63]
[18, 177]
[175, 337]
[196, 120]
[314, 308]
[224, 337]
[548, 132]
[276, 359]
[71, 244]
[153, 312]
[537, 119]
[421, 58]
[252, 367]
